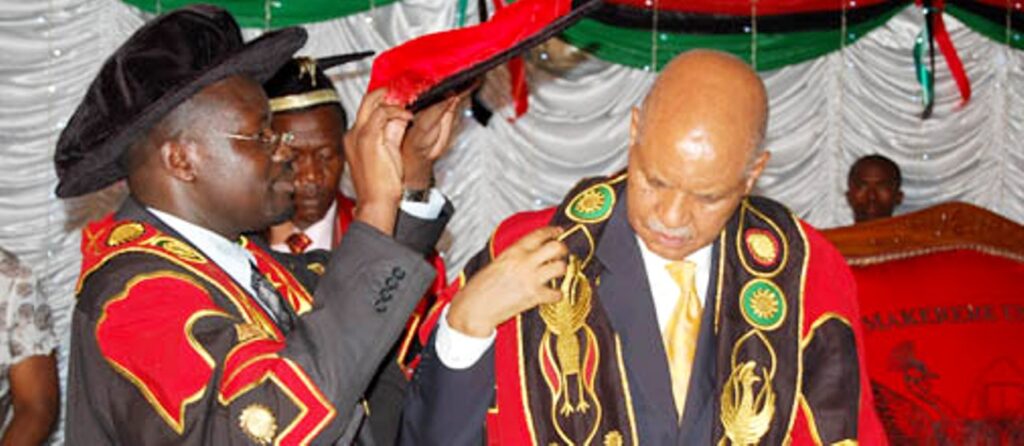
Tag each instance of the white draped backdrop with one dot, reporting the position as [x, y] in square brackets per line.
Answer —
[824, 114]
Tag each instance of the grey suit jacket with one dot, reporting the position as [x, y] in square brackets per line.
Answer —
[386, 393]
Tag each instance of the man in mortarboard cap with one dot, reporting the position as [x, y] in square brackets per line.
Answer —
[306, 105]
[304, 102]
[185, 331]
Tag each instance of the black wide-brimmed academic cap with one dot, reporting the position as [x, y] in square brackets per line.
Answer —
[161, 65]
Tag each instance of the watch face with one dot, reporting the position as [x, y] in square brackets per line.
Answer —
[416, 195]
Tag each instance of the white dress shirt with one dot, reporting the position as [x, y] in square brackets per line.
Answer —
[425, 211]
[228, 255]
[664, 289]
[321, 233]
[459, 351]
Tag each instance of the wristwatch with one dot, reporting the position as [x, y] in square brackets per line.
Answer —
[416, 195]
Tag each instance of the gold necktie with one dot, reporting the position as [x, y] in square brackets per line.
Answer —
[680, 334]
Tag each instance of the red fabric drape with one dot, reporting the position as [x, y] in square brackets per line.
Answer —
[945, 343]
[743, 7]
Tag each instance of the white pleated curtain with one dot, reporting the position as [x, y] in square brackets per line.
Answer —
[824, 114]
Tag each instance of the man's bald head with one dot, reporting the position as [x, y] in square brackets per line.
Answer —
[709, 89]
[696, 150]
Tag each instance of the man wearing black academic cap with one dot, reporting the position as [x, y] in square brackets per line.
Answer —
[185, 331]
[306, 105]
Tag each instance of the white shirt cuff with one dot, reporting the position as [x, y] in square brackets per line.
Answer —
[425, 211]
[456, 350]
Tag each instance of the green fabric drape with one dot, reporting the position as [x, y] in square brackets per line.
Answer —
[254, 13]
[632, 47]
[626, 46]
[987, 28]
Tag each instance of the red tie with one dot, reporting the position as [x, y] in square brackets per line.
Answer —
[298, 242]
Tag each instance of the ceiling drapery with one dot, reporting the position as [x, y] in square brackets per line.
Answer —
[273, 13]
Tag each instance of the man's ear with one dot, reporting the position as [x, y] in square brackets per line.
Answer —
[898, 198]
[180, 158]
[634, 125]
[755, 171]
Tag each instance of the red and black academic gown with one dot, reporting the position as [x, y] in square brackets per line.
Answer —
[344, 217]
[168, 349]
[780, 309]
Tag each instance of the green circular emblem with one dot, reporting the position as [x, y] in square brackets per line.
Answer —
[763, 304]
[592, 205]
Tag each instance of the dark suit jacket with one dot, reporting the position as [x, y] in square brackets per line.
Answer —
[448, 407]
[386, 394]
[361, 304]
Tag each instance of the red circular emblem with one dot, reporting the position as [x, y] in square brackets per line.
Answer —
[762, 245]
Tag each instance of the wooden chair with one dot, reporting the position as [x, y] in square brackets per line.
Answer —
[941, 293]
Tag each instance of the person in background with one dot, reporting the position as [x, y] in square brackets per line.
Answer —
[306, 105]
[28, 388]
[873, 188]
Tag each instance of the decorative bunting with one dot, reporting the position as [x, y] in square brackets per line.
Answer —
[272, 14]
[777, 33]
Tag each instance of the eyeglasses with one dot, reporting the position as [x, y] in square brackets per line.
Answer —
[266, 138]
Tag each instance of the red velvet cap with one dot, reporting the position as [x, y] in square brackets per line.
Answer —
[424, 70]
